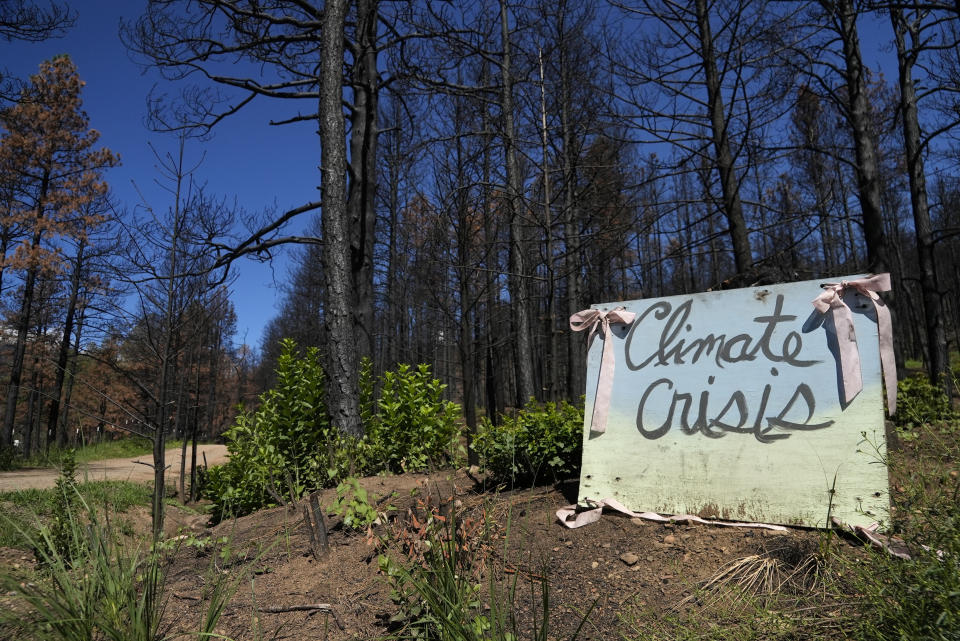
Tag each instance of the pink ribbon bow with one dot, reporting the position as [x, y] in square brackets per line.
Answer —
[831, 300]
[594, 319]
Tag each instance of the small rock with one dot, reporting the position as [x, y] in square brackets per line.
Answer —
[670, 539]
[954, 474]
[569, 544]
[556, 549]
[669, 526]
[637, 521]
[649, 559]
[606, 546]
[629, 558]
[594, 565]
[11, 593]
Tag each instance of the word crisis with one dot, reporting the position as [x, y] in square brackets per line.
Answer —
[738, 412]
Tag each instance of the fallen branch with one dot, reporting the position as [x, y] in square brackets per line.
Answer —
[323, 607]
[150, 465]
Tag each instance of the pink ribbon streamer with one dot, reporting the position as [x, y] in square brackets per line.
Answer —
[572, 518]
[831, 300]
[594, 320]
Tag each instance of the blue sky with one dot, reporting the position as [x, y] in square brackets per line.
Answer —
[261, 166]
[247, 159]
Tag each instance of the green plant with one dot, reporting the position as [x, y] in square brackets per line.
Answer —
[353, 503]
[285, 448]
[541, 441]
[438, 588]
[92, 588]
[62, 527]
[916, 598]
[8, 458]
[437, 592]
[27, 510]
[413, 427]
[107, 591]
[920, 402]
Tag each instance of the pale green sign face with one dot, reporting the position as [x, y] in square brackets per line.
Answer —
[730, 405]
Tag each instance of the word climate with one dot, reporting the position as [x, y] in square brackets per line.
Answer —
[772, 344]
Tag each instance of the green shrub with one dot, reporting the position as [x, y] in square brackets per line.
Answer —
[8, 458]
[288, 448]
[413, 428]
[539, 442]
[285, 448]
[919, 402]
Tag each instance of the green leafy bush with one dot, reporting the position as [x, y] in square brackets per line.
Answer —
[539, 442]
[919, 402]
[413, 427]
[285, 448]
[288, 448]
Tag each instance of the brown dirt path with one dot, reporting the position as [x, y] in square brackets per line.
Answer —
[115, 469]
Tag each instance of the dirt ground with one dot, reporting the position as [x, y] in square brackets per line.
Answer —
[138, 469]
[620, 567]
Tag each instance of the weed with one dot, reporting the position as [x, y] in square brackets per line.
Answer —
[917, 598]
[438, 588]
[63, 527]
[25, 510]
[101, 590]
[355, 505]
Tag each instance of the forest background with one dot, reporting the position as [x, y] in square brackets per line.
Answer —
[488, 169]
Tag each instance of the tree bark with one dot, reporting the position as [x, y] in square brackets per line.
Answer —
[338, 308]
[729, 185]
[362, 191]
[519, 287]
[493, 381]
[858, 117]
[72, 371]
[576, 357]
[553, 335]
[938, 362]
[53, 433]
[23, 327]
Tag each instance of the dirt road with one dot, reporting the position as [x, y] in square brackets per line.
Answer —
[118, 469]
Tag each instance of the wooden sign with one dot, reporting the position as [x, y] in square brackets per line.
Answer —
[731, 405]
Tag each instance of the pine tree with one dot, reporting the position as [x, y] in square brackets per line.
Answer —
[48, 153]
